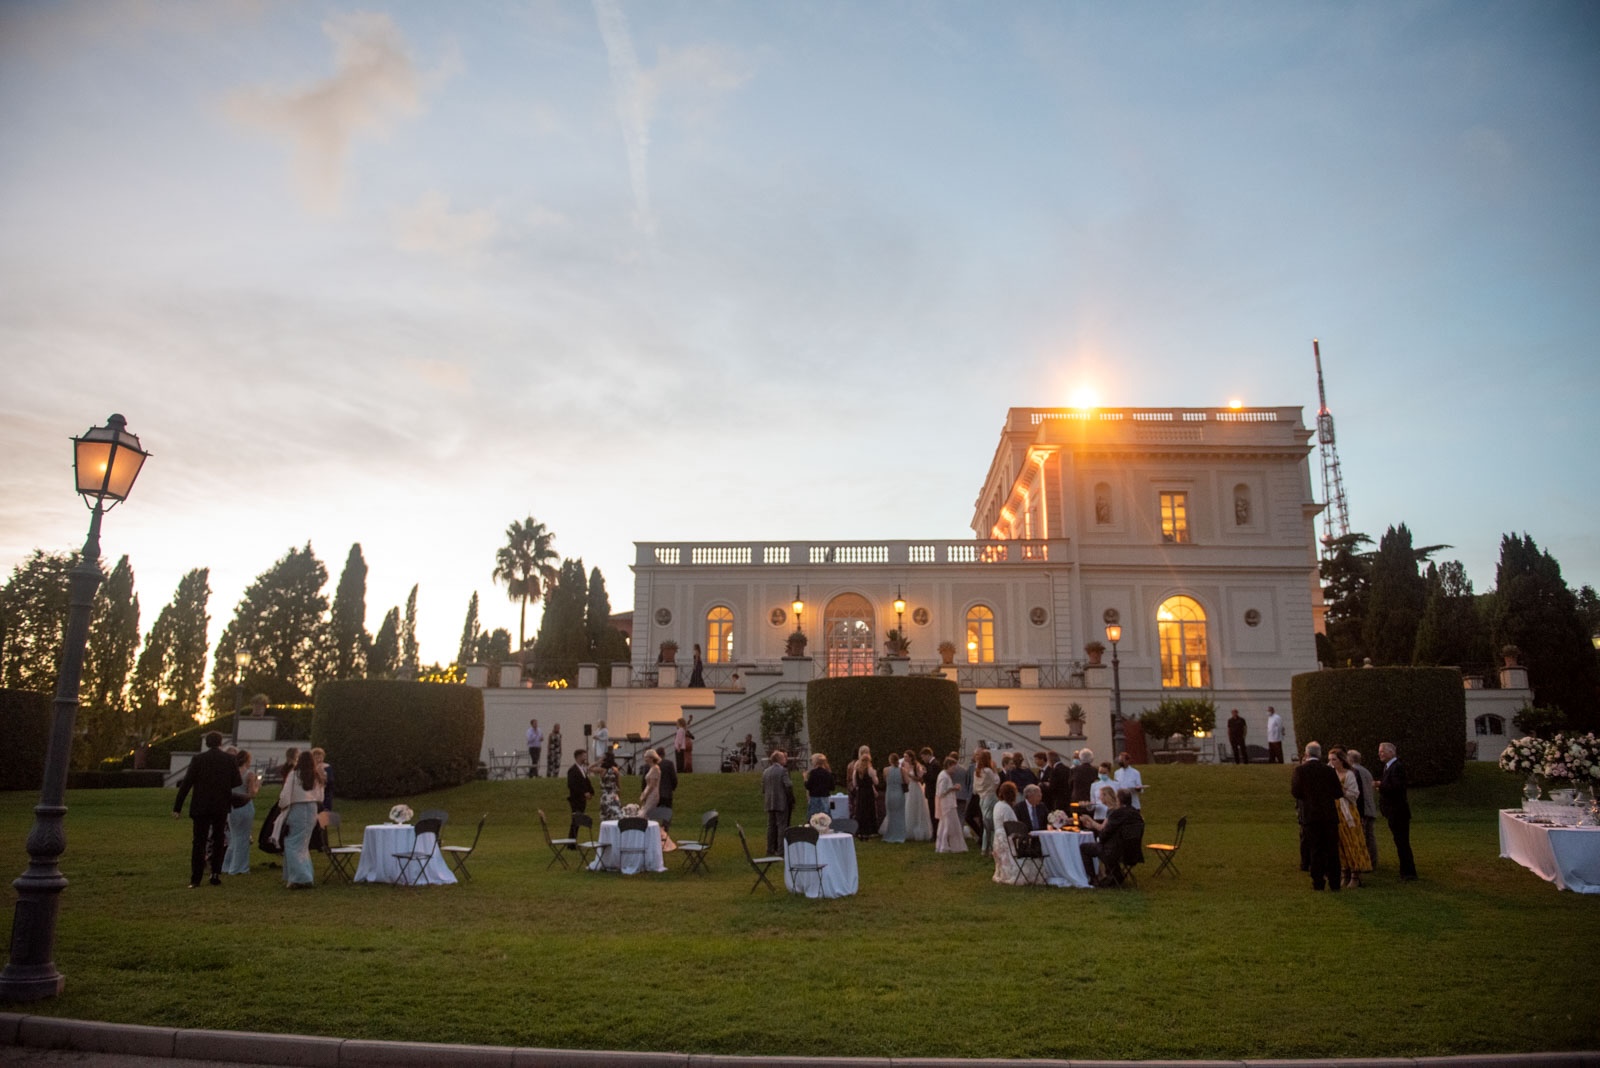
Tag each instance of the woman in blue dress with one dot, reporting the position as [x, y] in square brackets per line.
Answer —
[894, 825]
[302, 794]
[242, 820]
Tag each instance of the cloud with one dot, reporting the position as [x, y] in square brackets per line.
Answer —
[375, 82]
[430, 226]
[441, 374]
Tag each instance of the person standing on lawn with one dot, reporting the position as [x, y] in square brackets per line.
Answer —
[777, 793]
[1369, 804]
[535, 744]
[579, 788]
[1396, 807]
[212, 776]
[1237, 728]
[1274, 736]
[1316, 787]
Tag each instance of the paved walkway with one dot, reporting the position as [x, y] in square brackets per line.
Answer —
[51, 1040]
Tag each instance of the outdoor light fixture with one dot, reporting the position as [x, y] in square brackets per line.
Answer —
[241, 663]
[1114, 635]
[106, 460]
[899, 610]
[798, 606]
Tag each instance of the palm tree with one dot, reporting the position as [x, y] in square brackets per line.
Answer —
[523, 564]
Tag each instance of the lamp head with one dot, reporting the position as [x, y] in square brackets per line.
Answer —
[242, 658]
[1113, 633]
[106, 460]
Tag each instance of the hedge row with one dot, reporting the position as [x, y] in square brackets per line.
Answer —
[25, 726]
[390, 738]
[887, 713]
[1421, 710]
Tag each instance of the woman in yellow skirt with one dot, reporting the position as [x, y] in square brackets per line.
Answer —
[1353, 858]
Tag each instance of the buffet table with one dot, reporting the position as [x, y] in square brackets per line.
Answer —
[1566, 856]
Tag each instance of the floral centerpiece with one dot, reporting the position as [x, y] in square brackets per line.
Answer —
[1525, 756]
[630, 810]
[400, 814]
[1057, 819]
[1573, 760]
[822, 822]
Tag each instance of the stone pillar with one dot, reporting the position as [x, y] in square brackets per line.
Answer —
[1513, 677]
[797, 669]
[621, 674]
[510, 676]
[1028, 676]
[588, 676]
[667, 675]
[478, 675]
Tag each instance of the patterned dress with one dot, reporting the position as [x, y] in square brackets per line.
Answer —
[610, 801]
[553, 762]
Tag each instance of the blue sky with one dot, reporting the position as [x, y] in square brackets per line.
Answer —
[402, 273]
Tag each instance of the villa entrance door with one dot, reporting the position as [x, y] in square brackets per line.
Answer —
[847, 623]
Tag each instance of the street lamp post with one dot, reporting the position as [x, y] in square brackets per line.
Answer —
[1114, 635]
[798, 606]
[241, 664]
[899, 612]
[107, 460]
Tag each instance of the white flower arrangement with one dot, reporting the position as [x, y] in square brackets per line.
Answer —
[1526, 756]
[822, 822]
[630, 810]
[1057, 819]
[400, 814]
[1574, 759]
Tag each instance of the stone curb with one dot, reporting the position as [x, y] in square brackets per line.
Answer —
[294, 1051]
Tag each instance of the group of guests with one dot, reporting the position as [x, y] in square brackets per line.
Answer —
[658, 783]
[224, 784]
[1337, 804]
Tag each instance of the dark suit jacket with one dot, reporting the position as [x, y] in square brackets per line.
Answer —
[1037, 817]
[1058, 785]
[777, 791]
[579, 788]
[1316, 787]
[1083, 777]
[212, 776]
[669, 783]
[1392, 800]
[1236, 730]
[930, 778]
[1122, 836]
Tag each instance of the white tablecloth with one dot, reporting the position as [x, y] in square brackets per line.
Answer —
[839, 879]
[1566, 856]
[381, 841]
[609, 855]
[839, 807]
[1063, 864]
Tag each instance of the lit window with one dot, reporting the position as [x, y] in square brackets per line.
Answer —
[719, 635]
[1175, 517]
[1181, 625]
[847, 623]
[980, 635]
[1490, 724]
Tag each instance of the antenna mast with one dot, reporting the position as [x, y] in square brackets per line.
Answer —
[1336, 514]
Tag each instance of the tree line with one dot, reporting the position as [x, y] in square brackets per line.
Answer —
[1396, 606]
[134, 691]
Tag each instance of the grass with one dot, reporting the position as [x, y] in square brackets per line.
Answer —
[1235, 958]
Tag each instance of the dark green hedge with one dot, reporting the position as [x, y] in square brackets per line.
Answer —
[113, 780]
[1422, 710]
[888, 713]
[388, 738]
[25, 726]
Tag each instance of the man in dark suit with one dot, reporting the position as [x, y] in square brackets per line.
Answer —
[1396, 808]
[1237, 729]
[777, 793]
[930, 784]
[1117, 837]
[1057, 784]
[1083, 777]
[1032, 809]
[212, 776]
[579, 789]
[1317, 790]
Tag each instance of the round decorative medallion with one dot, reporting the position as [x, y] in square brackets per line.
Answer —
[1038, 616]
[1252, 618]
[663, 616]
[920, 616]
[777, 617]
[1111, 615]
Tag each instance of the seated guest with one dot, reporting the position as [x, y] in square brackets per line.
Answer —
[1005, 861]
[1033, 811]
[1118, 837]
[819, 785]
[1105, 799]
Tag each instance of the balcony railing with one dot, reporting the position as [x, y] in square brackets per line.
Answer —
[931, 552]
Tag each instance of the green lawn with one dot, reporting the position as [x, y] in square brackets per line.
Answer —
[1235, 958]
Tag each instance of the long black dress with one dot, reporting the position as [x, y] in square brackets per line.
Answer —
[866, 805]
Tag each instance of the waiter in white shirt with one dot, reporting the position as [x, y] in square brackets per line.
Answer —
[1274, 736]
[1127, 775]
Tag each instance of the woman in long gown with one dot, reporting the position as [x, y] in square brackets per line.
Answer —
[242, 819]
[651, 798]
[301, 796]
[919, 824]
[985, 781]
[553, 743]
[945, 794]
[894, 827]
[865, 788]
[1005, 862]
[1353, 856]
[610, 799]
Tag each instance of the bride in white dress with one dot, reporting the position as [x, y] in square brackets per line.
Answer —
[919, 824]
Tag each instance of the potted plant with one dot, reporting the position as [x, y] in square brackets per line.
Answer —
[1511, 654]
[1095, 649]
[1074, 720]
[896, 643]
[796, 644]
[947, 652]
[780, 723]
[669, 651]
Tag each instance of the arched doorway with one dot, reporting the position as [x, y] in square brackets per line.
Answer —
[847, 625]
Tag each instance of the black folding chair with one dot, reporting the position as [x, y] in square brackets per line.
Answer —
[795, 842]
[694, 852]
[435, 814]
[558, 846]
[588, 847]
[1027, 851]
[339, 854]
[458, 855]
[845, 825]
[421, 854]
[757, 864]
[632, 841]
[1169, 853]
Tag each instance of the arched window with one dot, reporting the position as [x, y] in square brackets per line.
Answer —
[980, 635]
[1490, 724]
[847, 627]
[719, 635]
[1181, 625]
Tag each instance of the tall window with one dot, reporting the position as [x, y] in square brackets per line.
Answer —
[719, 635]
[847, 625]
[1181, 625]
[980, 635]
[1175, 517]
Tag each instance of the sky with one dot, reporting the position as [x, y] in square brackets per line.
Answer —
[400, 274]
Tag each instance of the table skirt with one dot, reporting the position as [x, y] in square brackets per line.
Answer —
[1566, 856]
[1063, 864]
[840, 878]
[381, 841]
[609, 855]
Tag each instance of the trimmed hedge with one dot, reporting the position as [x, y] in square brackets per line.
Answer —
[25, 725]
[1422, 710]
[888, 713]
[390, 738]
[114, 780]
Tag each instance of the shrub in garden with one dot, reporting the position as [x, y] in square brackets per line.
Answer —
[886, 712]
[1179, 715]
[391, 738]
[1422, 710]
[25, 725]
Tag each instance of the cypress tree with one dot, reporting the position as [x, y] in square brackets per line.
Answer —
[348, 624]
